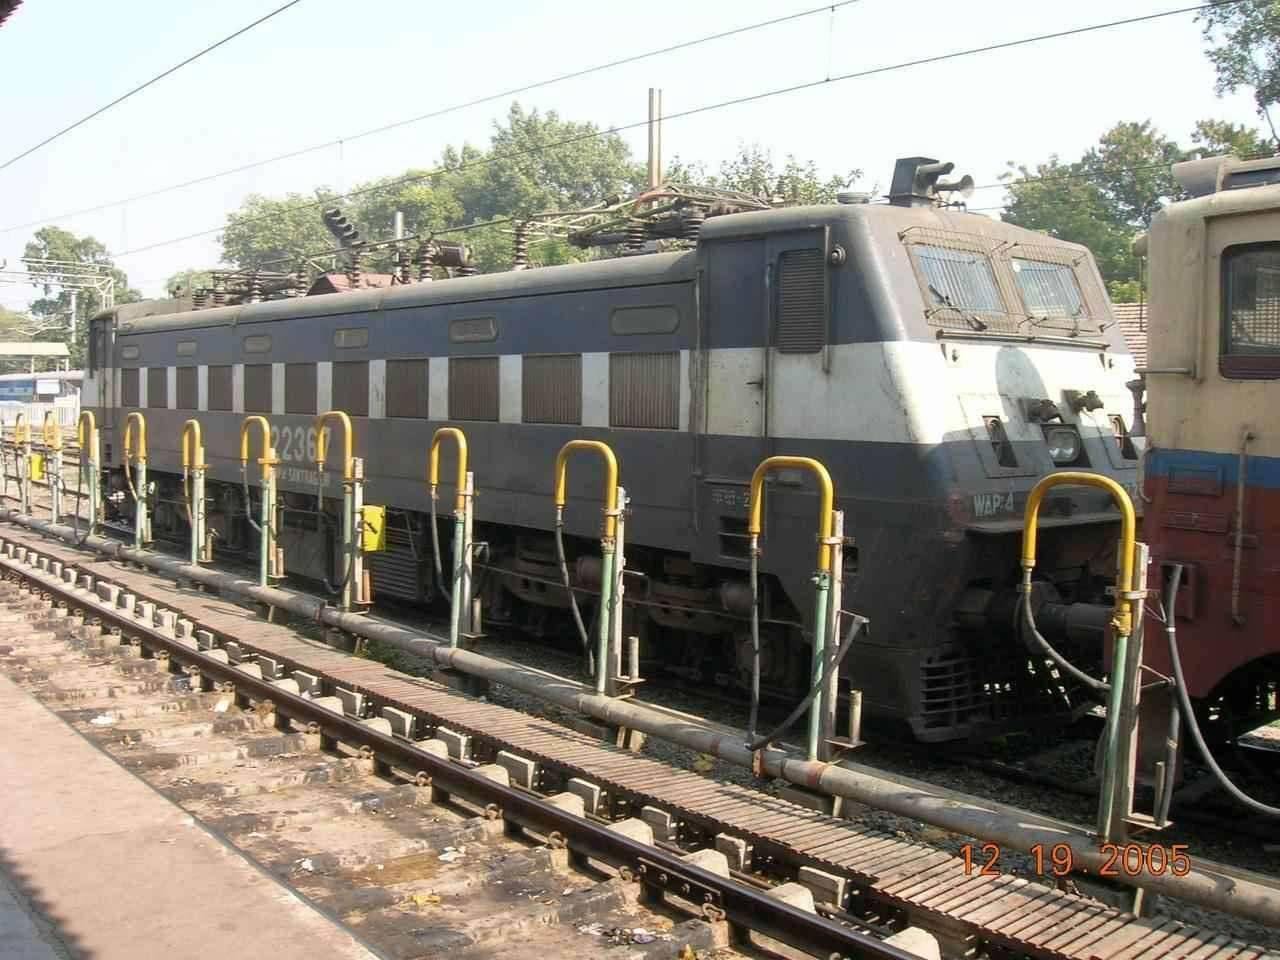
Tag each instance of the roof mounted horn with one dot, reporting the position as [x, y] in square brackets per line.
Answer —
[916, 182]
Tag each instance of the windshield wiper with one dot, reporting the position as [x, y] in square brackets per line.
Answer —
[969, 318]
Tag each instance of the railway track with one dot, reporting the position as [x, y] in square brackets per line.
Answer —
[407, 847]
[406, 743]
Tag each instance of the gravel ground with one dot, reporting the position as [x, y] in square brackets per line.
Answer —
[947, 766]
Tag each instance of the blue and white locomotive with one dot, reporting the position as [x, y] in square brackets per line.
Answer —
[938, 362]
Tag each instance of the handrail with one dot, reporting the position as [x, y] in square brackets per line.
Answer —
[610, 479]
[137, 417]
[268, 455]
[21, 429]
[322, 432]
[52, 431]
[1122, 690]
[823, 619]
[80, 431]
[433, 463]
[192, 446]
[266, 463]
[1123, 617]
[825, 505]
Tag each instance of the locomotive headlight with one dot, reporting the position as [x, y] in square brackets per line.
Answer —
[1063, 443]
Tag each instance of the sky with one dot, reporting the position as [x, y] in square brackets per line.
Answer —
[325, 70]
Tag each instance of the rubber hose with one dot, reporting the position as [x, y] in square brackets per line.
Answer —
[445, 588]
[248, 501]
[128, 479]
[351, 560]
[75, 526]
[1036, 643]
[573, 599]
[1184, 699]
[846, 644]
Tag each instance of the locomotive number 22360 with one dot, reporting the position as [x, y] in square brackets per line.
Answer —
[294, 443]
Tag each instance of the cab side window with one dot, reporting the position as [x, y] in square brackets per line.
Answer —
[1250, 344]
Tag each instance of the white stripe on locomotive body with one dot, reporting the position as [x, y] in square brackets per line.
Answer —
[377, 389]
[595, 389]
[902, 391]
[89, 392]
[510, 387]
[277, 389]
[438, 388]
[202, 387]
[171, 387]
[324, 386]
[906, 391]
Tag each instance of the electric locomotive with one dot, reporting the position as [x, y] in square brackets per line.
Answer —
[1212, 468]
[937, 361]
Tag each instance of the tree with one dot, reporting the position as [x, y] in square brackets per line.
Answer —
[753, 171]
[275, 233]
[426, 208]
[1132, 167]
[182, 283]
[1110, 194]
[1064, 201]
[13, 326]
[53, 311]
[535, 163]
[1214, 137]
[1244, 48]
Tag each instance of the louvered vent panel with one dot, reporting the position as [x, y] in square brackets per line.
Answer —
[473, 388]
[802, 315]
[188, 392]
[351, 387]
[407, 388]
[157, 387]
[299, 388]
[257, 388]
[644, 390]
[129, 387]
[397, 571]
[552, 389]
[220, 387]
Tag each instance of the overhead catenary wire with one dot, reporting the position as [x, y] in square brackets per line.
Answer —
[442, 111]
[147, 83]
[693, 111]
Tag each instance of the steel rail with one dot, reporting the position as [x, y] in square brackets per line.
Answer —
[1214, 885]
[743, 905]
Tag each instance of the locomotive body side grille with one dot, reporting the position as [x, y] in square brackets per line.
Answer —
[802, 316]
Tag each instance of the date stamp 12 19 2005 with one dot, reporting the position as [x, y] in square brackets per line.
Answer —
[1120, 860]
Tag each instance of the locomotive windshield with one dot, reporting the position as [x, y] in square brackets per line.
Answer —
[1048, 289]
[974, 283]
[961, 279]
